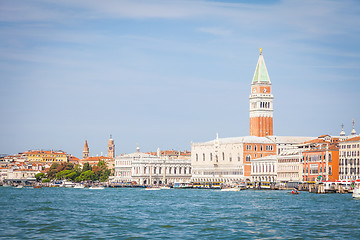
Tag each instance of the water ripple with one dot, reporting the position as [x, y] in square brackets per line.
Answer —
[56, 213]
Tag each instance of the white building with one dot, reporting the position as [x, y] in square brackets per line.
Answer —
[227, 159]
[349, 155]
[289, 166]
[264, 169]
[146, 169]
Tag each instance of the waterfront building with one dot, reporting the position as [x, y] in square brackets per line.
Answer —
[321, 161]
[173, 154]
[3, 174]
[148, 169]
[289, 166]
[349, 151]
[229, 159]
[45, 156]
[21, 174]
[264, 169]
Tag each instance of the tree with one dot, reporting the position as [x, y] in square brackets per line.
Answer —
[86, 167]
[53, 170]
[62, 174]
[88, 175]
[71, 176]
[39, 176]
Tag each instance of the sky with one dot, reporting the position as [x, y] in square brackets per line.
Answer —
[163, 74]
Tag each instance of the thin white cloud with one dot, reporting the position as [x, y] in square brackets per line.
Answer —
[216, 31]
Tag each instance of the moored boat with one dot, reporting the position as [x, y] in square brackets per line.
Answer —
[356, 190]
[78, 185]
[230, 189]
[96, 187]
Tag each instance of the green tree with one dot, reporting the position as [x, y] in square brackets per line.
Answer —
[86, 167]
[62, 174]
[39, 176]
[51, 174]
[78, 179]
[88, 175]
[71, 176]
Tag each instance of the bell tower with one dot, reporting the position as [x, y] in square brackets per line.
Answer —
[111, 148]
[261, 101]
[86, 150]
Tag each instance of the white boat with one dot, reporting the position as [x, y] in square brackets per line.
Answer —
[165, 187]
[235, 189]
[356, 191]
[79, 186]
[19, 186]
[96, 187]
[67, 184]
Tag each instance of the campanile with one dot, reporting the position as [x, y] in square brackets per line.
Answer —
[261, 101]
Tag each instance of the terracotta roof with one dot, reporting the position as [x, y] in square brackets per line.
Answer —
[94, 158]
[44, 152]
[352, 139]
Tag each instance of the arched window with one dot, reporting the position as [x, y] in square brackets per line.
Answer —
[223, 156]
[255, 147]
[203, 156]
[210, 156]
[197, 157]
[248, 158]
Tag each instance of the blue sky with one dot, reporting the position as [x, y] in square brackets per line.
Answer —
[165, 73]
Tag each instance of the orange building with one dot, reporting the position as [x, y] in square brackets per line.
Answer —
[321, 162]
[256, 150]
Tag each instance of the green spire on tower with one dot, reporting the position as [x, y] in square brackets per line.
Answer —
[261, 74]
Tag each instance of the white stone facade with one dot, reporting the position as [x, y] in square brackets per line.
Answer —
[349, 159]
[225, 159]
[264, 169]
[289, 166]
[222, 159]
[146, 169]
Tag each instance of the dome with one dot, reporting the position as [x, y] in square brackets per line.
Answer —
[353, 132]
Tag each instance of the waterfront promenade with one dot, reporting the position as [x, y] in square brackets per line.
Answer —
[63, 213]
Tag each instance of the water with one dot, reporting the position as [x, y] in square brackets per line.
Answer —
[60, 213]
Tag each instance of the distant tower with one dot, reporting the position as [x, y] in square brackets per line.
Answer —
[353, 132]
[111, 148]
[86, 150]
[261, 101]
